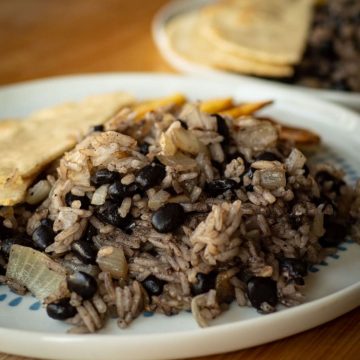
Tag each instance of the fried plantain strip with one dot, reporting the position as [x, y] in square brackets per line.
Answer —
[144, 107]
[246, 109]
[216, 105]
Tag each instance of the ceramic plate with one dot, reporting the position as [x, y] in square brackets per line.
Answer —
[333, 287]
[351, 100]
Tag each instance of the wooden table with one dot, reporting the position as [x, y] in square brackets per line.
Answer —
[42, 38]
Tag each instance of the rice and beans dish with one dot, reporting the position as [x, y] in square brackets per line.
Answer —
[171, 205]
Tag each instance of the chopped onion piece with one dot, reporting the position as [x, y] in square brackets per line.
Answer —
[158, 199]
[186, 141]
[42, 276]
[256, 135]
[179, 162]
[168, 148]
[296, 160]
[112, 259]
[195, 309]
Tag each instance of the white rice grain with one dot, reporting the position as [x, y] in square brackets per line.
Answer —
[125, 207]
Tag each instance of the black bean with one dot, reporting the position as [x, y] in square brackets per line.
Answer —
[2, 270]
[83, 284]
[205, 282]
[218, 187]
[43, 236]
[99, 128]
[250, 173]
[150, 175]
[222, 128]
[117, 191]
[295, 268]
[144, 148]
[220, 166]
[299, 281]
[335, 233]
[268, 156]
[341, 85]
[262, 290]
[244, 276]
[306, 170]
[323, 199]
[84, 200]
[7, 243]
[153, 285]
[168, 218]
[183, 124]
[61, 310]
[249, 188]
[5, 232]
[323, 177]
[90, 232]
[108, 213]
[104, 176]
[157, 161]
[47, 222]
[325, 48]
[84, 251]
[296, 221]
[235, 155]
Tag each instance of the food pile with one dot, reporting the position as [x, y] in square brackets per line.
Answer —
[171, 205]
[332, 57]
[307, 42]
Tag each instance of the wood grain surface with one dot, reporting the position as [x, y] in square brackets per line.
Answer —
[41, 38]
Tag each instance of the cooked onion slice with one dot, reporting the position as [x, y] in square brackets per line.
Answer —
[42, 276]
[112, 259]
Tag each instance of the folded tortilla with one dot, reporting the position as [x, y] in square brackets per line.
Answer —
[273, 31]
[186, 38]
[28, 147]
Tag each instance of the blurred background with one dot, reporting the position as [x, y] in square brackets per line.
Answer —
[316, 41]
[42, 38]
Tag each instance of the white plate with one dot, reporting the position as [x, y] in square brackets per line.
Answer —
[351, 100]
[331, 291]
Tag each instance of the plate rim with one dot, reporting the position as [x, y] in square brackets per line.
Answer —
[108, 75]
[56, 340]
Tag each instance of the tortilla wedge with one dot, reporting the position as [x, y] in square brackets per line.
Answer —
[46, 135]
[8, 126]
[186, 39]
[272, 31]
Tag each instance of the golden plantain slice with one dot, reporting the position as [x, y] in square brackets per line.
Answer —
[246, 109]
[147, 106]
[216, 105]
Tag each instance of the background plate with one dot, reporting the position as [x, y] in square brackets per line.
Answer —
[333, 287]
[351, 100]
